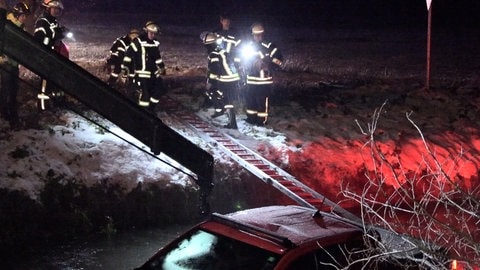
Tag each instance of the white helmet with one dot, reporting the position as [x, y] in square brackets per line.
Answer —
[53, 4]
[151, 26]
[257, 28]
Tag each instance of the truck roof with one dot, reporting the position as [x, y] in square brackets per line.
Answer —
[296, 223]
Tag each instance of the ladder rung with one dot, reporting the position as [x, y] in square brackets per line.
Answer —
[285, 183]
[305, 195]
[295, 188]
[315, 201]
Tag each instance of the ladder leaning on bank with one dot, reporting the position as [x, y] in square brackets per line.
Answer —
[255, 163]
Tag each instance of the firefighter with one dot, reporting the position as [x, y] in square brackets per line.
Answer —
[231, 42]
[50, 33]
[9, 71]
[228, 34]
[222, 78]
[259, 59]
[117, 53]
[143, 59]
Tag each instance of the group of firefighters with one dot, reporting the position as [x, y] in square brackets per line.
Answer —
[137, 56]
[232, 64]
[48, 32]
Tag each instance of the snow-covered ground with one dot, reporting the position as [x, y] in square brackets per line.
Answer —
[333, 82]
[325, 102]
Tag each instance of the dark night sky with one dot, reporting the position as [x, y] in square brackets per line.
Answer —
[298, 12]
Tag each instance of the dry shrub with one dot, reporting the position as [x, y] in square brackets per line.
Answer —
[427, 204]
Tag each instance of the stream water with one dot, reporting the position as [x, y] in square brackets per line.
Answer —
[120, 251]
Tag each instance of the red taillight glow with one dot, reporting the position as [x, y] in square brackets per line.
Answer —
[454, 265]
[458, 265]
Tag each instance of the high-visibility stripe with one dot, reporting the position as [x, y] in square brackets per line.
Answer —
[224, 78]
[42, 96]
[259, 80]
[147, 44]
[229, 78]
[143, 103]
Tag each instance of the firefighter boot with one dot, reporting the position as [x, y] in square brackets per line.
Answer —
[251, 119]
[232, 121]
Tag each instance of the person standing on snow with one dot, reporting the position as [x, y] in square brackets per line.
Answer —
[143, 58]
[230, 38]
[9, 71]
[222, 78]
[49, 32]
[230, 42]
[259, 60]
[117, 53]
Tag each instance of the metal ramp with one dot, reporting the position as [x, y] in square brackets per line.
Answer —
[255, 163]
[98, 96]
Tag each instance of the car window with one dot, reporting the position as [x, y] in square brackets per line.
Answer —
[204, 250]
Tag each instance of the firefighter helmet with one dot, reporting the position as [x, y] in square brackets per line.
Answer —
[20, 8]
[257, 28]
[133, 33]
[53, 4]
[151, 26]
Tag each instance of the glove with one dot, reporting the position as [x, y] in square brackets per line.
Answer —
[276, 61]
[160, 71]
[3, 59]
[125, 71]
[63, 32]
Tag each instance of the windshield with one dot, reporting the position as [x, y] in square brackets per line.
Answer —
[204, 250]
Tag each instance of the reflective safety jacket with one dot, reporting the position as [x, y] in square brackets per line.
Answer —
[143, 58]
[262, 58]
[48, 30]
[229, 40]
[221, 67]
[118, 50]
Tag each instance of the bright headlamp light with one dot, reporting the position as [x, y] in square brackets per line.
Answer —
[247, 52]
